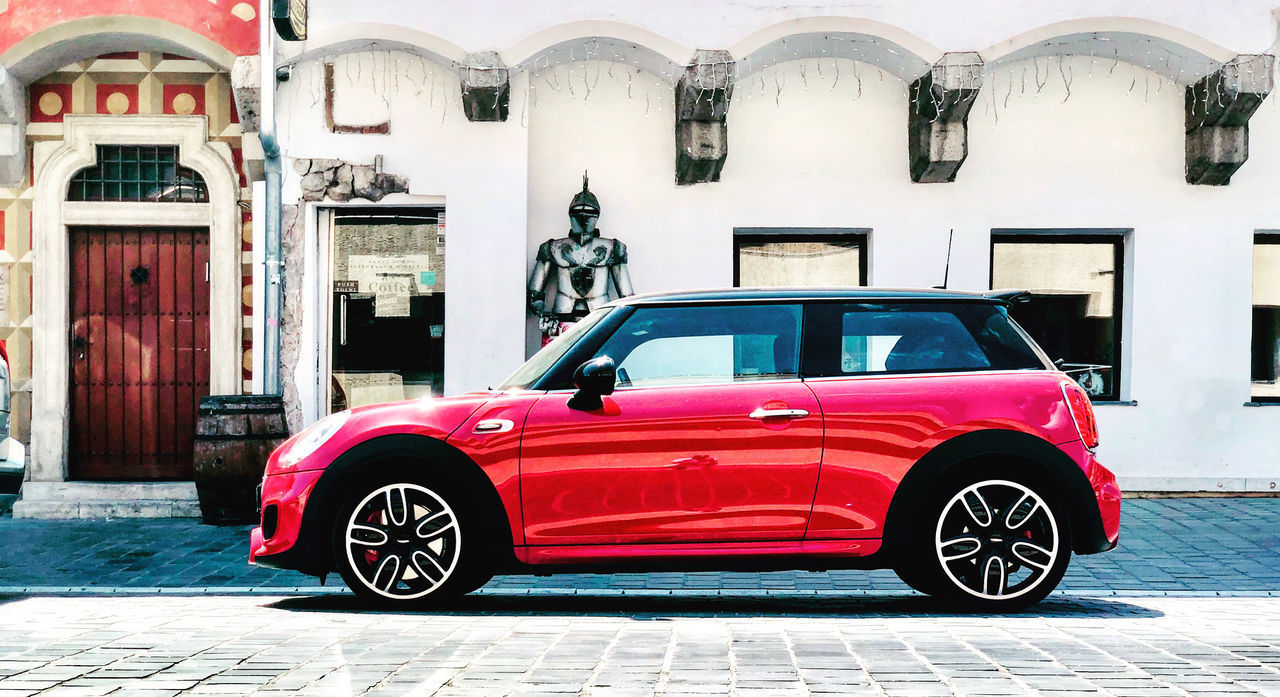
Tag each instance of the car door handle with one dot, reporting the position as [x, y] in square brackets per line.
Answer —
[763, 413]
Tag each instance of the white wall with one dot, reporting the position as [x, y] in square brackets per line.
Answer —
[808, 150]
[1239, 25]
[1106, 156]
[479, 169]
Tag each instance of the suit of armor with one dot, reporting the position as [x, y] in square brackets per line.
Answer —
[582, 264]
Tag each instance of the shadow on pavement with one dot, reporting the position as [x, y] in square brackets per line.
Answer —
[656, 607]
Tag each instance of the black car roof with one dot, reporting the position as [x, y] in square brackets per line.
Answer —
[1003, 297]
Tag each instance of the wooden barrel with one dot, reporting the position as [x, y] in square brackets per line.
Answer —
[235, 435]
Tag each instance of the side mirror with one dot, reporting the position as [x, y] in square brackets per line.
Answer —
[594, 379]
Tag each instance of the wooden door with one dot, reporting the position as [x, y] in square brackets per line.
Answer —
[139, 350]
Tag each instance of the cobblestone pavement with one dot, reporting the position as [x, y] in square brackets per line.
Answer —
[1188, 605]
[1192, 545]
[160, 646]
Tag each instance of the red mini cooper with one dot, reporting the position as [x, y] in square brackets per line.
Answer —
[920, 430]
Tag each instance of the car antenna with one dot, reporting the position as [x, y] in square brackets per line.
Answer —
[946, 272]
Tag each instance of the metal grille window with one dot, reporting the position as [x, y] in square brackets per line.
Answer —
[138, 173]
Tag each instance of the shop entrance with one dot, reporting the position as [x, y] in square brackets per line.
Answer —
[386, 286]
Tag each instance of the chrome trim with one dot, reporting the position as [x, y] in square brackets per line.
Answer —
[922, 374]
[342, 320]
[734, 383]
[762, 413]
[493, 426]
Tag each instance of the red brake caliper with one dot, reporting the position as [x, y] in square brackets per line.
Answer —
[371, 555]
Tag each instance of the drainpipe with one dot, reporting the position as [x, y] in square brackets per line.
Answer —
[273, 294]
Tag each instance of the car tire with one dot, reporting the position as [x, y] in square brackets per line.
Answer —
[993, 542]
[405, 541]
[918, 578]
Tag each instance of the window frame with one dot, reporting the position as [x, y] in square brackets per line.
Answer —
[813, 366]
[559, 377]
[1269, 238]
[329, 217]
[799, 305]
[1119, 239]
[860, 236]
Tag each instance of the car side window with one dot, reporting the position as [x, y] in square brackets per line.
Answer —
[883, 340]
[705, 344]
[907, 338]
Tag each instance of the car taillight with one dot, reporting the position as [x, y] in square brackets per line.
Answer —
[1081, 413]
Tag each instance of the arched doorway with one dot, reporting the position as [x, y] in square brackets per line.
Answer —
[135, 219]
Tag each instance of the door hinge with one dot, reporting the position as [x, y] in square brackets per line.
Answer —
[206, 272]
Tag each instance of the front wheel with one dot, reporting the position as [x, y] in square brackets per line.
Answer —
[403, 542]
[993, 544]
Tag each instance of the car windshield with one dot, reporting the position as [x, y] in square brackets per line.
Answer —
[542, 361]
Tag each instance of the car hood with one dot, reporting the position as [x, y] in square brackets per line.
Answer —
[429, 416]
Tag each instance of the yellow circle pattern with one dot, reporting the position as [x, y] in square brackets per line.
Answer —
[50, 103]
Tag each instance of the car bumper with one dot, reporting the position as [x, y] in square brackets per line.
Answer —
[1097, 521]
[1107, 492]
[13, 466]
[284, 498]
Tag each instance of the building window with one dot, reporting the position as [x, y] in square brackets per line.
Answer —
[138, 173]
[1266, 319]
[773, 257]
[1076, 282]
[387, 290]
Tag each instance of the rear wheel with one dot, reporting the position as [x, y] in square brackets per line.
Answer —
[402, 541]
[993, 543]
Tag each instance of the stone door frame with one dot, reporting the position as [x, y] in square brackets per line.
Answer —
[55, 162]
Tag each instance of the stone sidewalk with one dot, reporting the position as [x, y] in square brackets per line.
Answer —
[159, 646]
[1202, 546]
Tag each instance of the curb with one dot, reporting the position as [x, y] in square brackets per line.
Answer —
[101, 591]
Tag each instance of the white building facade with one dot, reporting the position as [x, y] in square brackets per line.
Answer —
[1051, 147]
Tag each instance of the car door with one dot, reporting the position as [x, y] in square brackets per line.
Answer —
[709, 436]
[891, 379]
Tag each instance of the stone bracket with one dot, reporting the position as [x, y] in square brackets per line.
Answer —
[13, 130]
[702, 105]
[938, 115]
[246, 88]
[342, 181]
[1218, 107]
[486, 87]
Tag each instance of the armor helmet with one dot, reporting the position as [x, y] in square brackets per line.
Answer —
[584, 203]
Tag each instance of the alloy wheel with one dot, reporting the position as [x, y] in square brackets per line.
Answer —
[997, 540]
[402, 541]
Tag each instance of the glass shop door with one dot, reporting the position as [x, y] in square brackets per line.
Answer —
[387, 293]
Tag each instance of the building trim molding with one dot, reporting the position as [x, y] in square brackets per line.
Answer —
[51, 48]
[55, 163]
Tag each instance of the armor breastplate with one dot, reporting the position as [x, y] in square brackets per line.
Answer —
[582, 278]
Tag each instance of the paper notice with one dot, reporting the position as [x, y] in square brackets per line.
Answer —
[391, 293]
[366, 268]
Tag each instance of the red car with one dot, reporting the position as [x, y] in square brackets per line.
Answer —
[920, 430]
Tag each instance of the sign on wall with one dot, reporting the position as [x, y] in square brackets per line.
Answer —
[367, 269]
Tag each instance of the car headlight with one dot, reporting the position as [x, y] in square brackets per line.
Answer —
[312, 438]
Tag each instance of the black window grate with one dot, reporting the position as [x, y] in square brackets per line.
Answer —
[138, 173]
